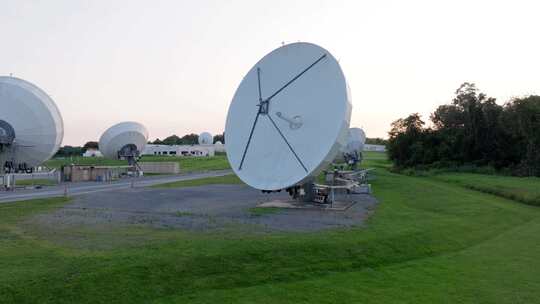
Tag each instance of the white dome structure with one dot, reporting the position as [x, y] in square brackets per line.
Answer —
[31, 127]
[351, 153]
[124, 140]
[219, 146]
[206, 139]
[355, 141]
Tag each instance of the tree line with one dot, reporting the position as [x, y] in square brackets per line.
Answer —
[473, 130]
[188, 139]
[376, 141]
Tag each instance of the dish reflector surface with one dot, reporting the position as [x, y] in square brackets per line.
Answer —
[288, 118]
[120, 135]
[205, 139]
[35, 121]
[355, 141]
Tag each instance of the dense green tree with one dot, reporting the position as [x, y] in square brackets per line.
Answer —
[171, 140]
[376, 141]
[220, 137]
[472, 130]
[91, 145]
[405, 146]
[190, 139]
[67, 151]
[522, 117]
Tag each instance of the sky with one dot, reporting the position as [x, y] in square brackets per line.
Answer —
[175, 65]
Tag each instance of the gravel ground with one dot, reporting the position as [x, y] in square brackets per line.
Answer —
[200, 208]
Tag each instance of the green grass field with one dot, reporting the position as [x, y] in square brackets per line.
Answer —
[35, 182]
[227, 179]
[523, 189]
[431, 240]
[187, 164]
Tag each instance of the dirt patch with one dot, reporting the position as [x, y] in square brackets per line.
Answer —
[201, 208]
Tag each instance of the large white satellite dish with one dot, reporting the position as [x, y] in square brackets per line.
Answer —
[205, 138]
[125, 140]
[31, 127]
[289, 117]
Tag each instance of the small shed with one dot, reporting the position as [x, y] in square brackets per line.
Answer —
[79, 173]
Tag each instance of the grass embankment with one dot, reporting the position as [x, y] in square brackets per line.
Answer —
[522, 189]
[259, 211]
[226, 179]
[35, 182]
[187, 164]
[429, 241]
[194, 164]
[88, 161]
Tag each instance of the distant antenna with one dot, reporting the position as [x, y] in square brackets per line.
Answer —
[351, 154]
[205, 138]
[125, 140]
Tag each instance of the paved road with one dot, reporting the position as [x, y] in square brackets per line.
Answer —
[74, 189]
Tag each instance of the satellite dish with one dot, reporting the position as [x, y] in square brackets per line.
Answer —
[31, 127]
[355, 141]
[288, 118]
[206, 139]
[125, 140]
[219, 147]
[351, 154]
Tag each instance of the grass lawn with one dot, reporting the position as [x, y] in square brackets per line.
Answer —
[36, 181]
[226, 179]
[429, 241]
[372, 155]
[90, 161]
[194, 164]
[526, 190]
[259, 211]
[187, 164]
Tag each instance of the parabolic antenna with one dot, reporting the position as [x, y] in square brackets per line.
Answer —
[206, 138]
[352, 152]
[289, 117]
[125, 140]
[355, 140]
[31, 127]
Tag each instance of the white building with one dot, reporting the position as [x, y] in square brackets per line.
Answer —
[219, 147]
[376, 148]
[179, 150]
[92, 153]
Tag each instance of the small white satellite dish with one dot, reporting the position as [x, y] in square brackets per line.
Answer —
[352, 152]
[125, 140]
[355, 141]
[206, 139]
[289, 117]
[31, 127]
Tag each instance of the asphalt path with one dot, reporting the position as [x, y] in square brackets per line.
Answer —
[74, 189]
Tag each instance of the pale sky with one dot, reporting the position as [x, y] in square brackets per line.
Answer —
[175, 65]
